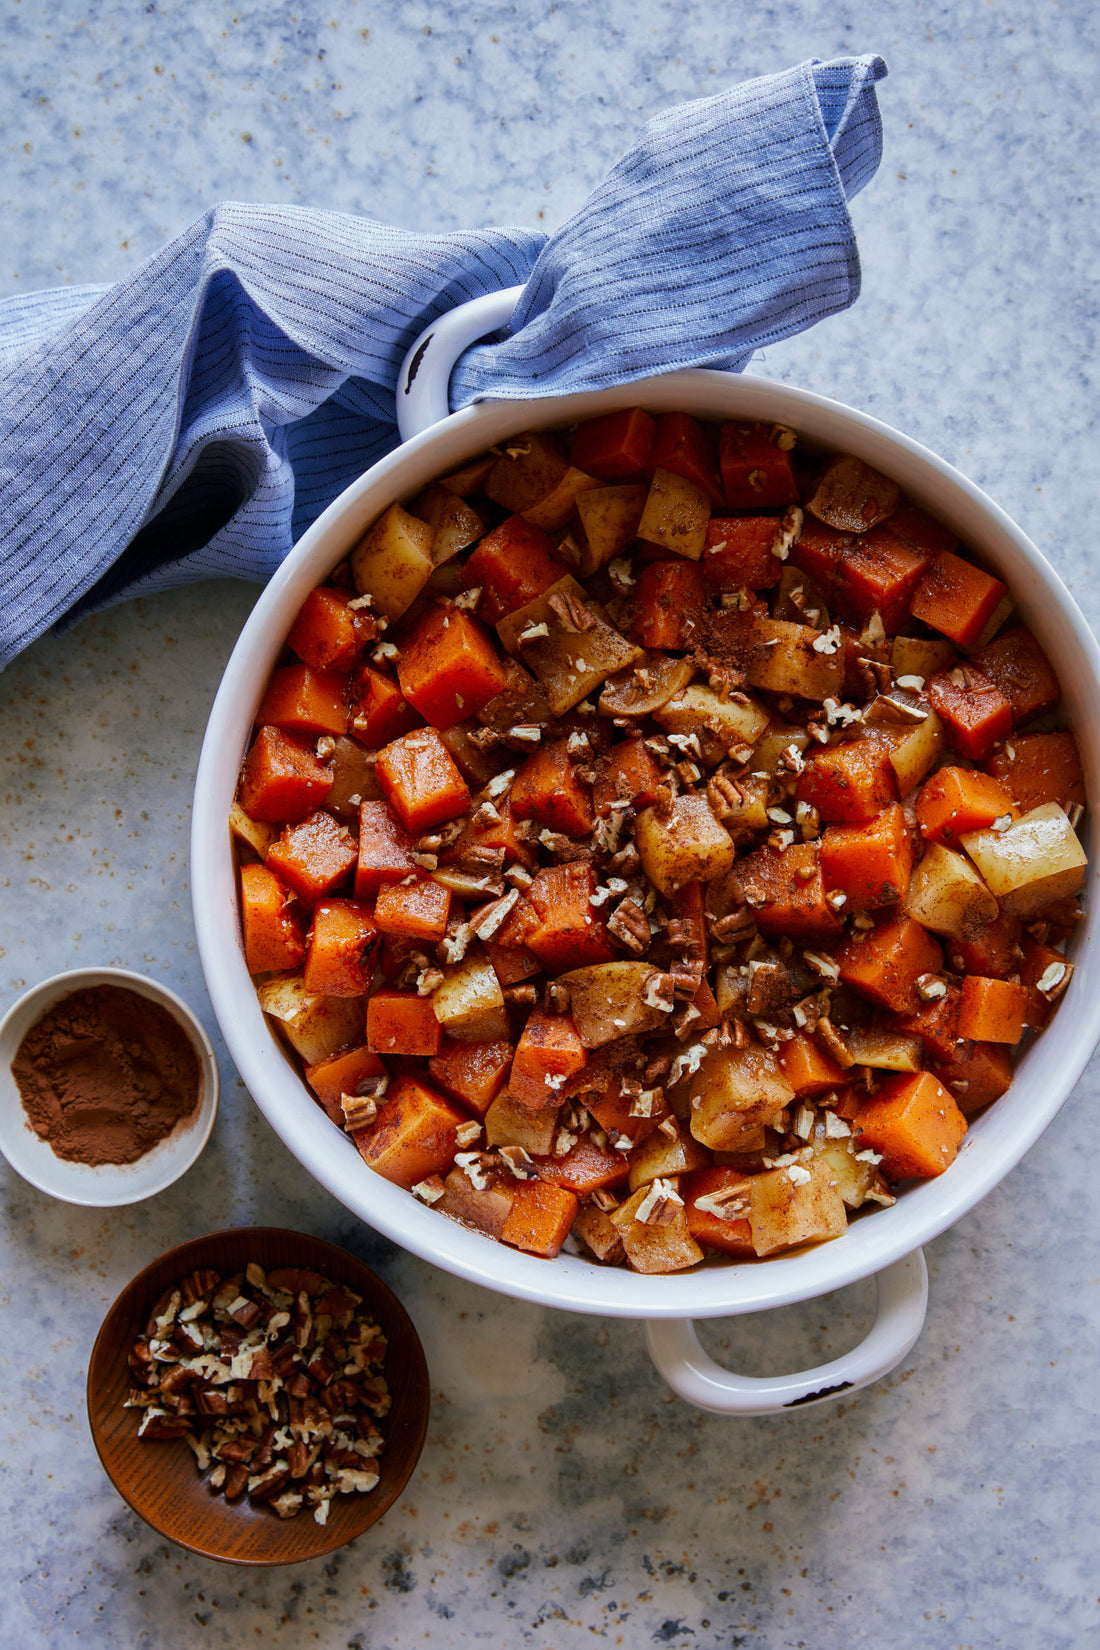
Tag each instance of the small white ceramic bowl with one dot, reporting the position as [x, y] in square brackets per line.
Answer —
[107, 1185]
[886, 1243]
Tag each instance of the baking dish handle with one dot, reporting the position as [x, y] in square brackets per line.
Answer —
[902, 1302]
[423, 383]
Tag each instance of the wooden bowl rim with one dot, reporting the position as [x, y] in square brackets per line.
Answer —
[114, 1428]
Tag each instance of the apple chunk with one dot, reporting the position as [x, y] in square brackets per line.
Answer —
[1036, 861]
[687, 845]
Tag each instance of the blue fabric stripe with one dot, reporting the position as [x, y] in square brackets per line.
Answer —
[192, 420]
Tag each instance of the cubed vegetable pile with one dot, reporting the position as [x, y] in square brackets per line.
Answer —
[658, 837]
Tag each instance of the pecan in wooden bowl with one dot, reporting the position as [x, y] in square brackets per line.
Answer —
[258, 1396]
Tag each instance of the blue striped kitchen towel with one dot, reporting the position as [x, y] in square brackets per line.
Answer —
[192, 420]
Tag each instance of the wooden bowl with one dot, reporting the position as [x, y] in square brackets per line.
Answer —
[161, 1481]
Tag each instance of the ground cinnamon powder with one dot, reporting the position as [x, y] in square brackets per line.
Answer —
[105, 1075]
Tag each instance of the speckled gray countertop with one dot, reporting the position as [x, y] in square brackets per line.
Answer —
[564, 1495]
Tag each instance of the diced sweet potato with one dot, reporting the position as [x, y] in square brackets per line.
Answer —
[669, 602]
[870, 862]
[346, 1072]
[512, 565]
[540, 1218]
[314, 857]
[419, 909]
[548, 1052]
[503, 832]
[546, 789]
[685, 447]
[448, 667]
[340, 958]
[623, 1116]
[1038, 768]
[414, 1134]
[739, 552]
[385, 849]
[994, 950]
[786, 890]
[282, 780]
[473, 1072]
[629, 775]
[817, 552]
[273, 937]
[992, 1011]
[1016, 664]
[980, 1075]
[585, 1168]
[421, 781]
[401, 1022]
[876, 573]
[1045, 973]
[956, 598]
[849, 782]
[936, 1023]
[512, 964]
[328, 633]
[808, 1068]
[378, 710]
[305, 701]
[616, 446]
[955, 800]
[887, 962]
[914, 1125]
[755, 463]
[920, 531]
[716, 1205]
[568, 932]
[974, 712]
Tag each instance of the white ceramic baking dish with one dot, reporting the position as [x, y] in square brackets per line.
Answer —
[886, 1244]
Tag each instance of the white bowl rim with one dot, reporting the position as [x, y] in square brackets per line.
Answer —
[997, 1140]
[105, 1185]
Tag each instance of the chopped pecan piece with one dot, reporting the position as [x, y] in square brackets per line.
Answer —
[575, 616]
[630, 925]
[288, 1350]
